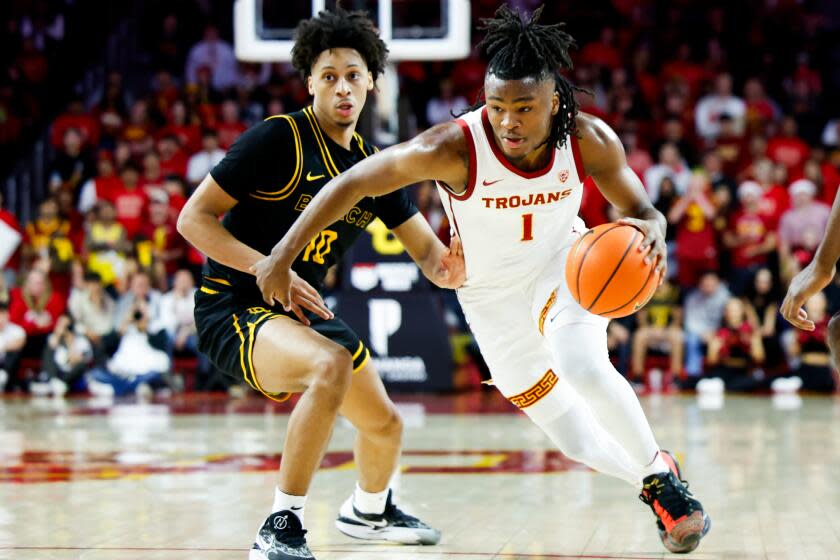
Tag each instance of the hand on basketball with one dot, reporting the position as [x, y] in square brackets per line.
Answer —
[451, 271]
[653, 245]
[808, 282]
[281, 284]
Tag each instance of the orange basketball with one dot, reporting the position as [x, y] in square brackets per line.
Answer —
[607, 274]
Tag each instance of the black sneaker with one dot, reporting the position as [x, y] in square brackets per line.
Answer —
[393, 525]
[282, 537]
[679, 517]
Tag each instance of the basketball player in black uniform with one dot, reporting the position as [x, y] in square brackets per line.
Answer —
[263, 184]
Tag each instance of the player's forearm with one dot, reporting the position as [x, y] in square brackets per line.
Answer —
[651, 213]
[829, 250]
[211, 238]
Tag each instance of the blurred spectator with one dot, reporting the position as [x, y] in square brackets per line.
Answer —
[671, 165]
[92, 310]
[12, 341]
[603, 52]
[107, 245]
[130, 200]
[694, 215]
[788, 149]
[101, 187]
[801, 228]
[137, 132]
[67, 356]
[71, 166]
[638, 159]
[775, 201]
[441, 107]
[158, 245]
[703, 311]
[202, 162]
[831, 133]
[48, 239]
[748, 238]
[810, 348]
[763, 310]
[230, 126]
[76, 118]
[140, 361]
[141, 295]
[761, 110]
[111, 111]
[169, 45]
[215, 55]
[151, 182]
[660, 328]
[731, 146]
[36, 308]
[184, 126]
[735, 351]
[720, 102]
[673, 132]
[173, 161]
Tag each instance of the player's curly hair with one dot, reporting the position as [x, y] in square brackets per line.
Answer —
[336, 29]
[518, 48]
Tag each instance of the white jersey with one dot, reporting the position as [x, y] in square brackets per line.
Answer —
[511, 222]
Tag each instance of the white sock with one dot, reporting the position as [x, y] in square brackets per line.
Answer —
[658, 465]
[580, 352]
[295, 504]
[367, 502]
[580, 437]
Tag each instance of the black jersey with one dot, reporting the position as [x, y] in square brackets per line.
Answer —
[273, 170]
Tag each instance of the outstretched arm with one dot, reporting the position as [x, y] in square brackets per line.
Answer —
[815, 276]
[439, 153]
[604, 159]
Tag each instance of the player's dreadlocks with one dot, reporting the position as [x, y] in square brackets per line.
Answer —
[334, 30]
[519, 49]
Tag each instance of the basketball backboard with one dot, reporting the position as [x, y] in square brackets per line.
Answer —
[412, 29]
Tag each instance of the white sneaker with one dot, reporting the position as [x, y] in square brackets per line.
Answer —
[59, 387]
[392, 525]
[99, 389]
[786, 384]
[40, 388]
[711, 385]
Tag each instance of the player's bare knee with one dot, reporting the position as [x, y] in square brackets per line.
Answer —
[333, 370]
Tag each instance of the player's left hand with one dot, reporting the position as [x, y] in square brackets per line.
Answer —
[451, 271]
[808, 282]
[653, 244]
[281, 284]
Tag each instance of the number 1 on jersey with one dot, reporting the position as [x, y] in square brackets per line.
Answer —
[527, 227]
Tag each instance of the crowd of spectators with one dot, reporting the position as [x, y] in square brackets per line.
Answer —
[743, 160]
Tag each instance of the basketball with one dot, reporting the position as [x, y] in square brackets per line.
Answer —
[607, 274]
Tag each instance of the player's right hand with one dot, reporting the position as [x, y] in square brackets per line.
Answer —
[808, 282]
[281, 284]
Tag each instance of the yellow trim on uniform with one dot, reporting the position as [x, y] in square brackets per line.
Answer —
[252, 329]
[322, 144]
[359, 351]
[361, 143]
[364, 362]
[207, 290]
[219, 280]
[241, 348]
[290, 186]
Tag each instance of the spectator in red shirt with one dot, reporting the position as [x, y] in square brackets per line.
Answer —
[103, 186]
[185, 127]
[75, 117]
[173, 161]
[731, 146]
[604, 52]
[788, 149]
[761, 110]
[130, 201]
[36, 308]
[158, 244]
[229, 126]
[748, 238]
[735, 351]
[775, 200]
[152, 178]
[684, 69]
[138, 131]
[694, 215]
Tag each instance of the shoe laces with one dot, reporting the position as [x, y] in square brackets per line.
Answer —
[672, 494]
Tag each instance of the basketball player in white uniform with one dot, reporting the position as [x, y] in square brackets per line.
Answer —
[510, 175]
